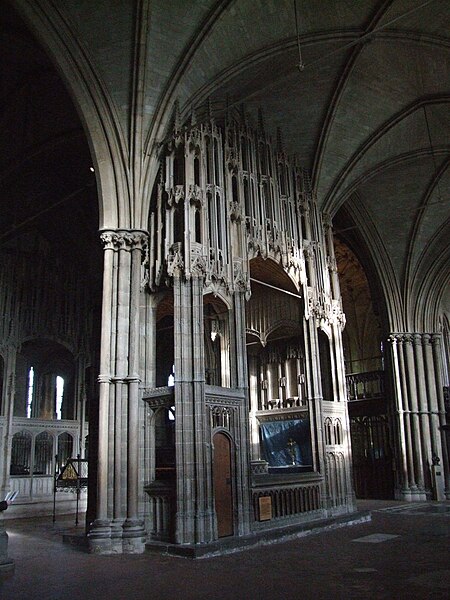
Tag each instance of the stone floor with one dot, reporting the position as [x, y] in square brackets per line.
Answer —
[401, 554]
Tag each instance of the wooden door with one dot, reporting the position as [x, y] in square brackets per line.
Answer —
[223, 492]
[373, 475]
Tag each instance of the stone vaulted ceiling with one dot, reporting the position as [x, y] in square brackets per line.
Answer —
[368, 114]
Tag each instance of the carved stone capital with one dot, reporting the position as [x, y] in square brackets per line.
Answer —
[426, 339]
[332, 264]
[124, 239]
[394, 339]
[436, 339]
[109, 240]
[326, 219]
[407, 338]
[417, 339]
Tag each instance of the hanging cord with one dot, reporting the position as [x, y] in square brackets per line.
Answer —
[301, 64]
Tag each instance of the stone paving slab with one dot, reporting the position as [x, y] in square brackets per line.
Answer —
[414, 565]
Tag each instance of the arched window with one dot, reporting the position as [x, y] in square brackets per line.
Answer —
[325, 366]
[328, 432]
[244, 154]
[178, 225]
[164, 349]
[208, 160]
[281, 179]
[21, 453]
[337, 432]
[198, 227]
[234, 189]
[211, 218]
[216, 163]
[247, 198]
[220, 232]
[196, 171]
[43, 454]
[178, 167]
[267, 202]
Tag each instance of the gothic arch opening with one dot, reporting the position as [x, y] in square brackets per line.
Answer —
[369, 400]
[50, 263]
[45, 379]
[280, 417]
[216, 338]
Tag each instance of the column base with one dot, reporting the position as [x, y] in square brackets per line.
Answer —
[117, 537]
[133, 536]
[99, 538]
[412, 495]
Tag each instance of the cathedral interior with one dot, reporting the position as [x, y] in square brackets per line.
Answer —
[224, 275]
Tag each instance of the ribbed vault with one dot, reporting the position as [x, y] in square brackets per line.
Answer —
[368, 114]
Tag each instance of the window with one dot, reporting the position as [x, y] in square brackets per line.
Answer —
[30, 391]
[59, 396]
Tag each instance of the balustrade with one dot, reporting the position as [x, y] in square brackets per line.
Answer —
[361, 386]
[288, 500]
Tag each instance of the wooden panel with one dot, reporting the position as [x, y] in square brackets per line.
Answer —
[223, 493]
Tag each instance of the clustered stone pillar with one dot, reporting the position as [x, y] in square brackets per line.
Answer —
[195, 515]
[419, 412]
[242, 446]
[118, 527]
[9, 378]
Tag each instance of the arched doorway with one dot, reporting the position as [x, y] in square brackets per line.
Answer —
[223, 492]
[367, 392]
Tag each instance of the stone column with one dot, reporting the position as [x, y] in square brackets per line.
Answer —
[342, 395]
[399, 415]
[437, 361]
[118, 527]
[194, 511]
[9, 384]
[80, 399]
[410, 377]
[423, 396]
[133, 529]
[415, 392]
[315, 397]
[242, 440]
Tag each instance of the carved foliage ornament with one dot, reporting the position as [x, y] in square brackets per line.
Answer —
[124, 240]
